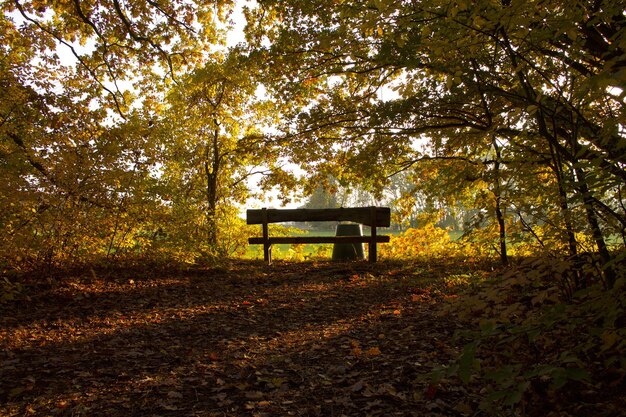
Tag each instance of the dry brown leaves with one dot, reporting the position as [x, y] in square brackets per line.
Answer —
[299, 339]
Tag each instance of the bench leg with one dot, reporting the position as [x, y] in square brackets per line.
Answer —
[268, 257]
[372, 246]
[267, 247]
[267, 253]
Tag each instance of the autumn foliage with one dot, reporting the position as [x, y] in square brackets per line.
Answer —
[428, 241]
[134, 134]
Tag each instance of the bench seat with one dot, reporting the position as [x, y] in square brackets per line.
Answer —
[316, 239]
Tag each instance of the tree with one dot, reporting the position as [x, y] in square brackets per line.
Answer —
[76, 155]
[215, 143]
[541, 80]
[112, 41]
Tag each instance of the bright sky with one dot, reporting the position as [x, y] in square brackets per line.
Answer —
[235, 34]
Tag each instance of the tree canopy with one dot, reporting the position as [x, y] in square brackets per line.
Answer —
[506, 116]
[515, 107]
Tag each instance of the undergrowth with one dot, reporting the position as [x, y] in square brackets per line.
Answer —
[537, 347]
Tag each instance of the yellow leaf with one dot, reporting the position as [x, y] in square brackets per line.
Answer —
[609, 339]
[464, 408]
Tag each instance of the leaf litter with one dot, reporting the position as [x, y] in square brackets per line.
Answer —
[293, 339]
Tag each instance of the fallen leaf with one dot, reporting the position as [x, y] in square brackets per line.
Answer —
[254, 395]
[358, 386]
[277, 382]
[174, 394]
[431, 391]
[374, 351]
[16, 391]
[356, 348]
[464, 408]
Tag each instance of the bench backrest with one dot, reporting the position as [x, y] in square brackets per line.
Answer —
[369, 216]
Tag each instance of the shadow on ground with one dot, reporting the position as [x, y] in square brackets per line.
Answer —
[300, 339]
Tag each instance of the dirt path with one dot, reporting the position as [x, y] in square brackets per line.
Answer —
[296, 339]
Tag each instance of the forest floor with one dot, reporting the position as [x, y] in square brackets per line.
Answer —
[292, 339]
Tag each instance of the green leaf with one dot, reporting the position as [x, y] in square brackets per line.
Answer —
[513, 398]
[559, 378]
[532, 109]
[577, 374]
[504, 377]
[466, 362]
[516, 396]
[497, 395]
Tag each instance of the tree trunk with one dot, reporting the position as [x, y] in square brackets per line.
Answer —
[211, 171]
[502, 228]
[498, 209]
[596, 231]
[572, 244]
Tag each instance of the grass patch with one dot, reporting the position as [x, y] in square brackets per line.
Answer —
[316, 250]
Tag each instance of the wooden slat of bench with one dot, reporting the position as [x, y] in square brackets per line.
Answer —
[362, 215]
[317, 239]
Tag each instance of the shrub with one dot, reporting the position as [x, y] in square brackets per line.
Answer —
[429, 241]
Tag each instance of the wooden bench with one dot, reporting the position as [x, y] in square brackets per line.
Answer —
[370, 216]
